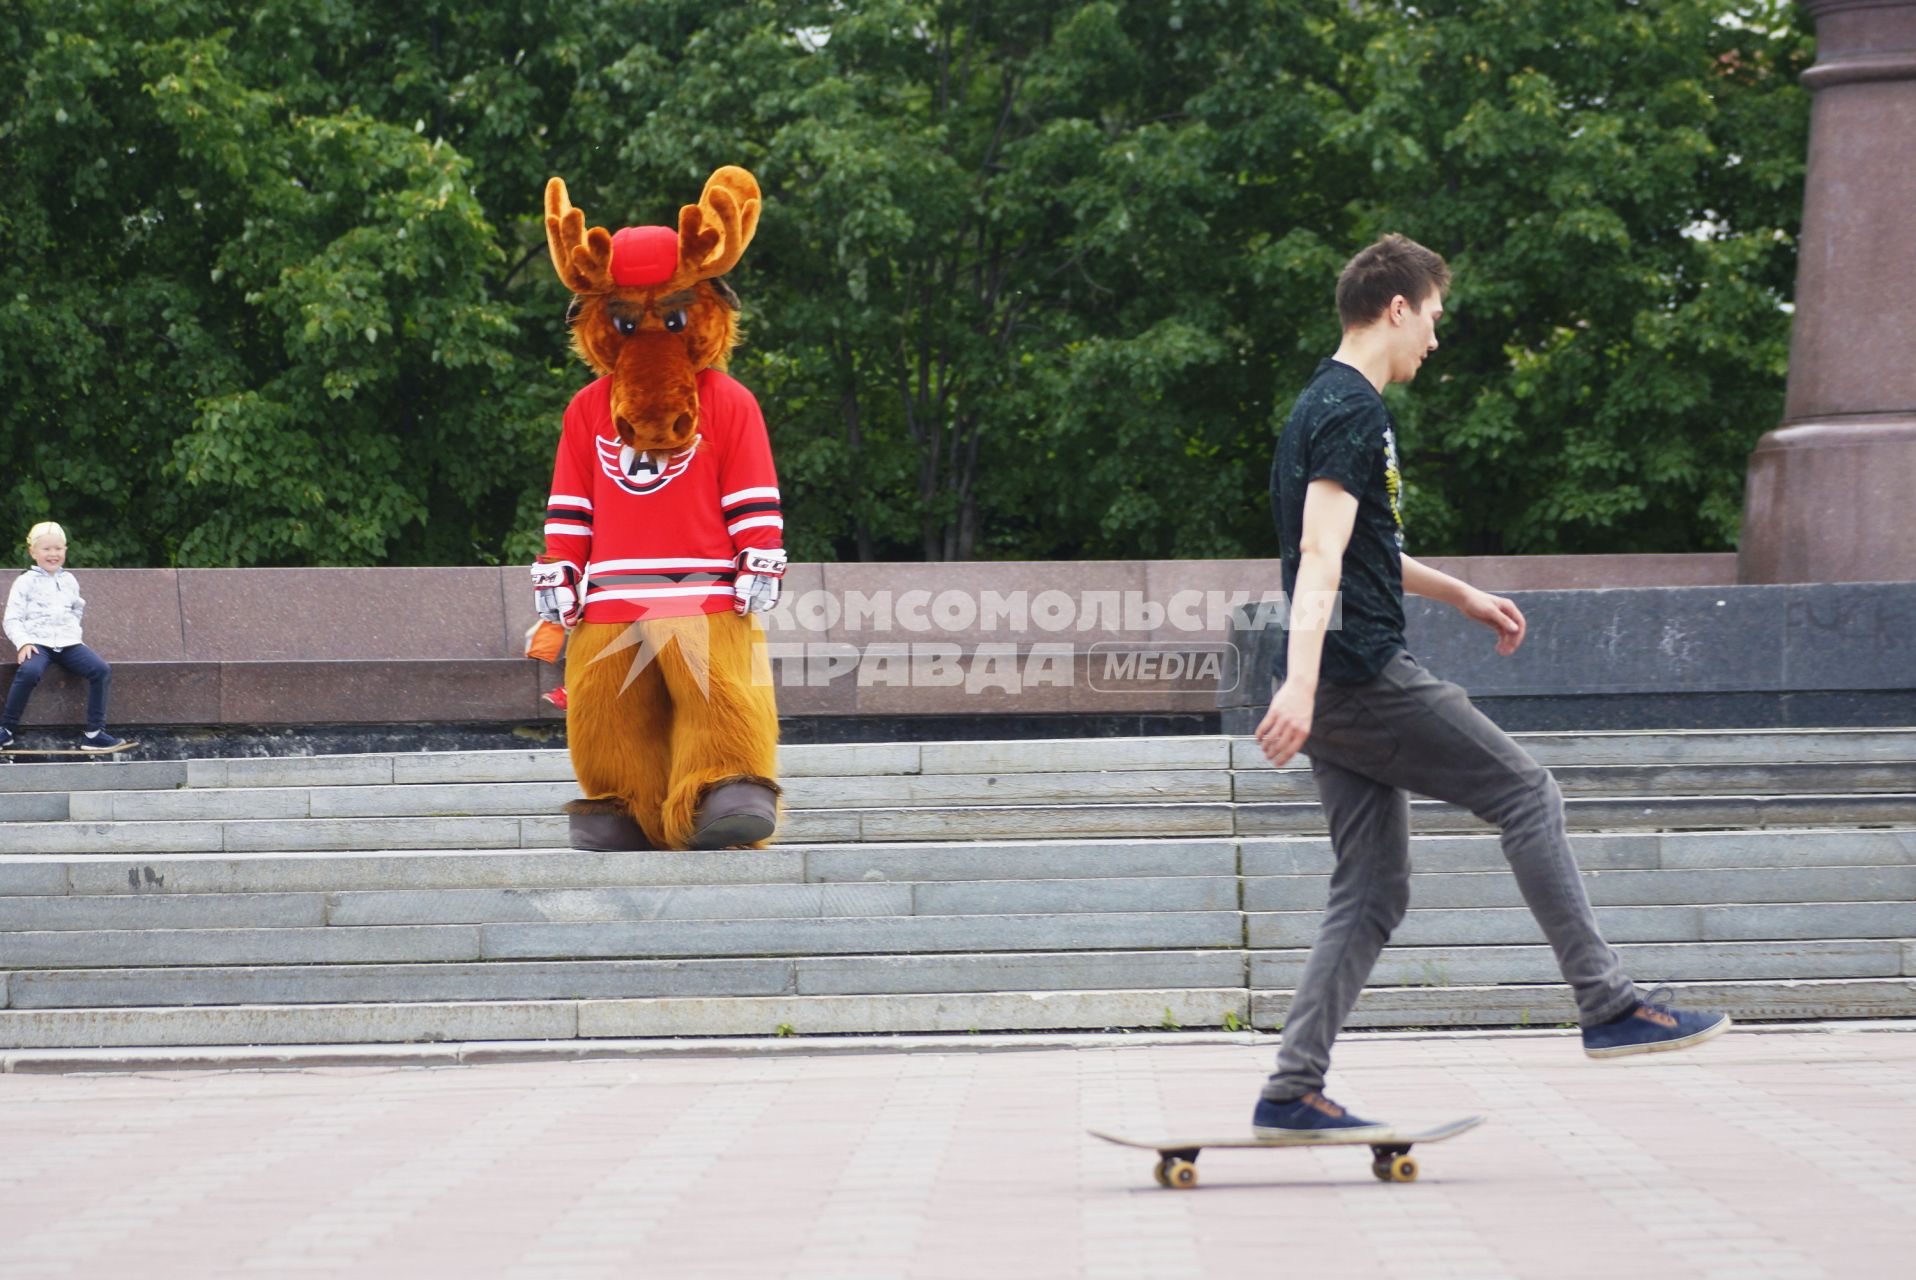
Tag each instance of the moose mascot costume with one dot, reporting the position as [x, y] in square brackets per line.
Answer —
[663, 535]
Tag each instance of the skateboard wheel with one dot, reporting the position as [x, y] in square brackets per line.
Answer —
[1181, 1174]
[1380, 1169]
[1403, 1169]
[1163, 1172]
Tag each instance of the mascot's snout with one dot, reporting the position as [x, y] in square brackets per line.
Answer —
[655, 393]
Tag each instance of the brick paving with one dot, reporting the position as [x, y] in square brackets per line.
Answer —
[1759, 1155]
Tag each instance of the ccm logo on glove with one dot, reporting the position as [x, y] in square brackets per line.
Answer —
[555, 593]
[756, 588]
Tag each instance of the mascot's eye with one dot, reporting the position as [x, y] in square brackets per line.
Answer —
[626, 325]
[675, 322]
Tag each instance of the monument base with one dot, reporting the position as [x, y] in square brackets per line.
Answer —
[1830, 501]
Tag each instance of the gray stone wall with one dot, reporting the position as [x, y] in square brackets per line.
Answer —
[1668, 657]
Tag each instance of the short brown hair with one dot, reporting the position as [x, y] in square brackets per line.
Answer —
[1394, 265]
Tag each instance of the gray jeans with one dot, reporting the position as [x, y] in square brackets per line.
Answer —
[1372, 743]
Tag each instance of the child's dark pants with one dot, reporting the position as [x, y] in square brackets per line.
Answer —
[76, 658]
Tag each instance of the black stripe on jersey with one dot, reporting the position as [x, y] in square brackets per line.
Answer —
[569, 513]
[750, 509]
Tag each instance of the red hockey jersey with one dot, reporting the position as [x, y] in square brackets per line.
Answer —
[659, 537]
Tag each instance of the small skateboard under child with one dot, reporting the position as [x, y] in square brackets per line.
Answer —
[88, 752]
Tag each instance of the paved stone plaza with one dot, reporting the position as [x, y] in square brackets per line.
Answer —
[1775, 1153]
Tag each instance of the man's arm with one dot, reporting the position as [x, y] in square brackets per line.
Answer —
[1434, 584]
[1495, 612]
[1330, 513]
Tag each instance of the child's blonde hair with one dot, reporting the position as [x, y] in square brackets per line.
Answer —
[45, 529]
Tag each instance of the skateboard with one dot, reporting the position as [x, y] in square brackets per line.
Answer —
[66, 751]
[1390, 1150]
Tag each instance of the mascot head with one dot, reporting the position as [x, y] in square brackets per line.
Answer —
[648, 306]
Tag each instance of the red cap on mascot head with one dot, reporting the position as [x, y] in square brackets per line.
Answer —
[644, 256]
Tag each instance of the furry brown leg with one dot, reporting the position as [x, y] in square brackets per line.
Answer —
[725, 726]
[619, 732]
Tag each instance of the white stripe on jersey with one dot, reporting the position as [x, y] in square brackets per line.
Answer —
[598, 594]
[567, 500]
[621, 566]
[763, 492]
[777, 522]
[557, 526]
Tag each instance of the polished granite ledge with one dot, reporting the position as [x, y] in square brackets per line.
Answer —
[242, 648]
[319, 615]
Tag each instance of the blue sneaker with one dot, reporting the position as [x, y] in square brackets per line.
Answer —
[6, 738]
[101, 741]
[1312, 1116]
[1652, 1027]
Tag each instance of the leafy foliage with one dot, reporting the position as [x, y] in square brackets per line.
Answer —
[1034, 280]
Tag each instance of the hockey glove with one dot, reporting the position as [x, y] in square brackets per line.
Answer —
[756, 588]
[555, 593]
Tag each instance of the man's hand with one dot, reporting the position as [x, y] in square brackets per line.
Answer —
[1285, 726]
[555, 593]
[1500, 615]
[755, 590]
[27, 651]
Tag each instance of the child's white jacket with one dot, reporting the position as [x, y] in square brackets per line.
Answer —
[44, 608]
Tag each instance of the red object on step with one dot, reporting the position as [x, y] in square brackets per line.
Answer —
[555, 696]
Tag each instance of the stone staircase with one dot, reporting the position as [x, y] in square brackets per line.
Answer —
[950, 887]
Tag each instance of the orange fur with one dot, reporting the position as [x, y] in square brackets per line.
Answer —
[655, 740]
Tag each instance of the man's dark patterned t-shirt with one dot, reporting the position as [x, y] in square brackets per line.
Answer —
[1340, 430]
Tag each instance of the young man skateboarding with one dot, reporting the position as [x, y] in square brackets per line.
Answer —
[1377, 726]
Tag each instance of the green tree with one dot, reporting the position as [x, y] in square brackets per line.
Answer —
[246, 321]
[1034, 280]
[1618, 187]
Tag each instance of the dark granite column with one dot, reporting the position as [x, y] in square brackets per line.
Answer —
[1832, 492]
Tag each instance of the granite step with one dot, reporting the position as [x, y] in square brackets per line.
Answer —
[1443, 968]
[797, 827]
[158, 874]
[1472, 889]
[1713, 922]
[960, 790]
[521, 799]
[196, 873]
[632, 903]
[588, 979]
[1586, 780]
[1687, 749]
[1755, 1000]
[467, 1021]
[426, 1022]
[1624, 813]
[1620, 851]
[800, 826]
[1467, 890]
[1690, 747]
[1648, 963]
[626, 939]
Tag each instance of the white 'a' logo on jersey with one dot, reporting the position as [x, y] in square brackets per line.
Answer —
[642, 473]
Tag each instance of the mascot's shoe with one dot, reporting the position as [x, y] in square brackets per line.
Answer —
[597, 827]
[735, 813]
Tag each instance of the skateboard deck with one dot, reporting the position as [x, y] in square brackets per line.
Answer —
[66, 751]
[1390, 1149]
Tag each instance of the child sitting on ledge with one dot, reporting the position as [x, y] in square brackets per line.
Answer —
[43, 622]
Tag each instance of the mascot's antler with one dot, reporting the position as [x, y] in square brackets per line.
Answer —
[583, 258]
[714, 232]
